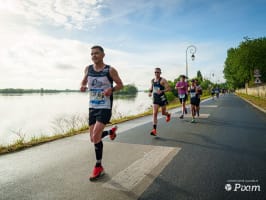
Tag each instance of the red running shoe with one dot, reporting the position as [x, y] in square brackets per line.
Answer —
[168, 118]
[153, 132]
[112, 134]
[96, 173]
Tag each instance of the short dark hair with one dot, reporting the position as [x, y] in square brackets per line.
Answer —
[158, 68]
[98, 47]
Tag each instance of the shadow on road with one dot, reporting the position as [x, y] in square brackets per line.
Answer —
[163, 189]
[209, 143]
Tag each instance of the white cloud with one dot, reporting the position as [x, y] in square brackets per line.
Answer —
[32, 59]
[63, 13]
[83, 14]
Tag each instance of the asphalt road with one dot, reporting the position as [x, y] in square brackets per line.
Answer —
[225, 148]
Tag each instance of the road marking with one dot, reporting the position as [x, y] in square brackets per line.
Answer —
[134, 174]
[202, 116]
[208, 106]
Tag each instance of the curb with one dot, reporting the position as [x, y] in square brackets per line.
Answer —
[259, 108]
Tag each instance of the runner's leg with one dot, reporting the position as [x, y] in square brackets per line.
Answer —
[167, 114]
[96, 131]
[155, 114]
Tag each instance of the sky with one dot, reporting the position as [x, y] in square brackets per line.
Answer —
[46, 43]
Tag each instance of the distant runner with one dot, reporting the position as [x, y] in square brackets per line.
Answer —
[182, 88]
[217, 92]
[193, 91]
[99, 78]
[198, 96]
[212, 93]
[159, 86]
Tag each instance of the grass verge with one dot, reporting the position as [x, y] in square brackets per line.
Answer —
[258, 101]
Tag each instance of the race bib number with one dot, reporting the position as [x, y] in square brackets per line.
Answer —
[182, 96]
[192, 94]
[156, 89]
[97, 97]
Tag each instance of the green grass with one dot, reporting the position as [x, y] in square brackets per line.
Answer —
[258, 101]
[20, 144]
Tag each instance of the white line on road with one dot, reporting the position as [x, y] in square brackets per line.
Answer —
[208, 106]
[130, 177]
[202, 116]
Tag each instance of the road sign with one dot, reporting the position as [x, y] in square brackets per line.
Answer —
[257, 73]
[257, 80]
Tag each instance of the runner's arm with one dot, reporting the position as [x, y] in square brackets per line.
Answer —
[178, 87]
[166, 85]
[115, 76]
[84, 81]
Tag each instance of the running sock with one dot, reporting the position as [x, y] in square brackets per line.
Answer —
[99, 153]
[98, 163]
[105, 133]
[154, 126]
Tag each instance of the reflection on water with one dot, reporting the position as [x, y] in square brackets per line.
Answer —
[126, 97]
[34, 115]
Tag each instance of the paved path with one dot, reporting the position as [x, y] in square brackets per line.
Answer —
[226, 147]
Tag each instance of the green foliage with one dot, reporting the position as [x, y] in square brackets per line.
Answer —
[128, 89]
[243, 60]
[170, 96]
[206, 84]
[173, 91]
[199, 77]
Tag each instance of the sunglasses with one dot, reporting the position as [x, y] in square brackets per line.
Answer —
[157, 72]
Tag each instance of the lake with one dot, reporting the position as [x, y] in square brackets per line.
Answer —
[36, 115]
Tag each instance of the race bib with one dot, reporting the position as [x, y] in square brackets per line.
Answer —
[182, 96]
[192, 94]
[97, 97]
[156, 89]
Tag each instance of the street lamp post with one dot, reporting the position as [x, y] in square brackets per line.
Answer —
[192, 49]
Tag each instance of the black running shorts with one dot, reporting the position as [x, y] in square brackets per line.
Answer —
[198, 102]
[100, 115]
[194, 101]
[183, 99]
[160, 100]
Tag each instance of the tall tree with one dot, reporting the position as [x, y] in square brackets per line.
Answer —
[199, 76]
[243, 60]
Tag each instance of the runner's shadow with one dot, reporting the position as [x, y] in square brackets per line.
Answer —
[106, 178]
[162, 189]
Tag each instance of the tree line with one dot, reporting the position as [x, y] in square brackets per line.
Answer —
[41, 90]
[243, 60]
[130, 89]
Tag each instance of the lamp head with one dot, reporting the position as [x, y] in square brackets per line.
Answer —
[193, 57]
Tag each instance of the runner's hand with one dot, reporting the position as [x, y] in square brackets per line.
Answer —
[83, 88]
[159, 92]
[108, 92]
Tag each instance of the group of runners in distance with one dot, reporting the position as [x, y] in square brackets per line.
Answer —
[159, 86]
[98, 80]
